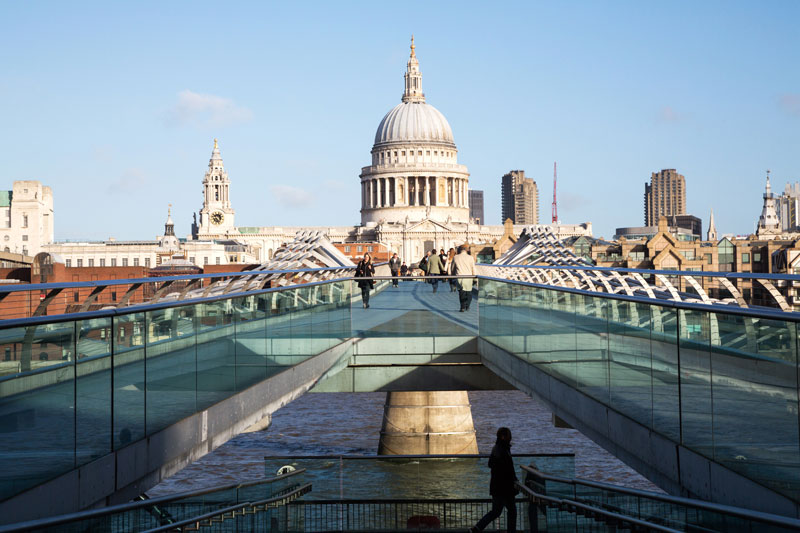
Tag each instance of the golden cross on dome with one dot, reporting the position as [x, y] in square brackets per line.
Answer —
[215, 144]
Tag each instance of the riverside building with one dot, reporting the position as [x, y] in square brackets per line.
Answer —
[26, 218]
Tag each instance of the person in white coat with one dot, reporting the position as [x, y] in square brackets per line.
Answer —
[464, 265]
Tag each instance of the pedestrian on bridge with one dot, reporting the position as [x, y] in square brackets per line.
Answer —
[435, 268]
[502, 484]
[394, 268]
[448, 268]
[423, 264]
[364, 269]
[464, 265]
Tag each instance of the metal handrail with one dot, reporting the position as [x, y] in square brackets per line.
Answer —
[140, 308]
[612, 516]
[773, 519]
[130, 281]
[693, 306]
[133, 506]
[698, 273]
[288, 497]
[411, 456]
[755, 312]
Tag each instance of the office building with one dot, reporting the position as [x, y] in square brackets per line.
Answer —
[665, 196]
[476, 206]
[519, 198]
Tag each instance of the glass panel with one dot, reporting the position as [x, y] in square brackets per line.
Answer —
[630, 362]
[251, 341]
[525, 327]
[755, 399]
[171, 366]
[279, 306]
[37, 408]
[563, 338]
[129, 389]
[540, 327]
[666, 389]
[695, 375]
[300, 325]
[591, 332]
[517, 317]
[93, 390]
[488, 310]
[342, 296]
[216, 354]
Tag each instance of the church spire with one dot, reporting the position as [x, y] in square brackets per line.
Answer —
[413, 77]
[712, 229]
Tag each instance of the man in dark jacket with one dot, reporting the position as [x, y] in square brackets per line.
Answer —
[501, 486]
[394, 268]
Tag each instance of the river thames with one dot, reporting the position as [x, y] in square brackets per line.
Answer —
[350, 423]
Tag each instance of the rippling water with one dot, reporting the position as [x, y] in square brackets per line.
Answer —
[350, 423]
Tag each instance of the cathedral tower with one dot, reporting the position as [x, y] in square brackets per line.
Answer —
[216, 216]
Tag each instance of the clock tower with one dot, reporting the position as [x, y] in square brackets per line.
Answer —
[216, 216]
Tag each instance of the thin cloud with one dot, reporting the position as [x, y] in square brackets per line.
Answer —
[790, 102]
[569, 201]
[292, 196]
[335, 185]
[670, 114]
[206, 110]
[103, 153]
[131, 181]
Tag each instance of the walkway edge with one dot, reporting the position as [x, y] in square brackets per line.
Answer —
[671, 466]
[124, 474]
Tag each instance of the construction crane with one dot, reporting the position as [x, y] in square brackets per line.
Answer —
[555, 204]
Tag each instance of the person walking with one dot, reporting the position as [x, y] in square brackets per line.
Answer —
[502, 484]
[394, 268]
[423, 264]
[404, 269]
[364, 269]
[448, 268]
[435, 268]
[464, 265]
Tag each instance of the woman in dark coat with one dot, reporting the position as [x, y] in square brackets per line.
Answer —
[502, 484]
[365, 270]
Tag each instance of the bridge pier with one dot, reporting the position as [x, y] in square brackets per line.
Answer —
[427, 423]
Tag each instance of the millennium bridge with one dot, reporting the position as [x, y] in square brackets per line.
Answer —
[101, 401]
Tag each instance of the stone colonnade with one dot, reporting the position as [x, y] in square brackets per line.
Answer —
[414, 191]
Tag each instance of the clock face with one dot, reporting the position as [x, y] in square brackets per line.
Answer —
[217, 218]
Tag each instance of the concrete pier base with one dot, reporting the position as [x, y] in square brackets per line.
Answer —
[427, 423]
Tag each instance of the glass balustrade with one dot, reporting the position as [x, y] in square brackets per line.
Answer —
[155, 513]
[81, 388]
[722, 384]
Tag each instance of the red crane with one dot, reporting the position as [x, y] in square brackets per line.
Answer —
[555, 204]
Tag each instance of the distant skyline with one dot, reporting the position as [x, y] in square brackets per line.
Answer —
[116, 105]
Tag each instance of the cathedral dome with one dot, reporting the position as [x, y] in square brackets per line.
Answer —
[414, 175]
[414, 122]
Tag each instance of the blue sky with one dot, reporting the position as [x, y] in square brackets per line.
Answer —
[116, 105]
